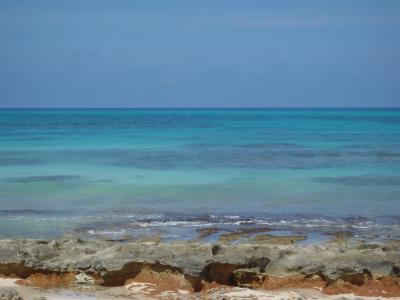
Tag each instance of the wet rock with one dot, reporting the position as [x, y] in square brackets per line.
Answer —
[206, 232]
[341, 235]
[241, 233]
[280, 240]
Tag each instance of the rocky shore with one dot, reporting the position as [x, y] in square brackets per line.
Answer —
[192, 269]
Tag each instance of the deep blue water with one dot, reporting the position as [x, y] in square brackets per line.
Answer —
[170, 171]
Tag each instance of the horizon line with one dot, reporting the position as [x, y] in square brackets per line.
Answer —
[205, 107]
[201, 107]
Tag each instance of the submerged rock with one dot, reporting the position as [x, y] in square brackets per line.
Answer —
[206, 232]
[241, 233]
[280, 240]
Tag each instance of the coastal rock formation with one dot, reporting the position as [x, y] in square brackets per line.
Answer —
[9, 294]
[332, 267]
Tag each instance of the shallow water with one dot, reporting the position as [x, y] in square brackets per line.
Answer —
[134, 172]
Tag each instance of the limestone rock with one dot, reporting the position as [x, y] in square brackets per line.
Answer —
[9, 294]
[83, 278]
[295, 296]
[222, 263]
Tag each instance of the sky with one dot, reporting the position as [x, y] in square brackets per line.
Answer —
[210, 53]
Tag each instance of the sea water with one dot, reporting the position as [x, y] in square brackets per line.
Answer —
[170, 171]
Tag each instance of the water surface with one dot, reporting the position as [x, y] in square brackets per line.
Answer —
[130, 172]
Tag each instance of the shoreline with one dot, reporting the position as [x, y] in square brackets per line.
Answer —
[144, 291]
[187, 269]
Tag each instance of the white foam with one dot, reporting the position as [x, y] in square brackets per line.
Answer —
[107, 232]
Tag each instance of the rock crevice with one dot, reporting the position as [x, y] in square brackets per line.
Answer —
[331, 267]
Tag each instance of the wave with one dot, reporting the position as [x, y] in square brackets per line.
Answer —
[179, 226]
[164, 221]
[179, 219]
[317, 223]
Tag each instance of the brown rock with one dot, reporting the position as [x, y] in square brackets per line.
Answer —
[53, 280]
[294, 281]
[166, 280]
[384, 287]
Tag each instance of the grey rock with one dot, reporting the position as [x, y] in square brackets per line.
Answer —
[83, 278]
[295, 296]
[107, 258]
[353, 274]
[42, 252]
[53, 244]
[9, 294]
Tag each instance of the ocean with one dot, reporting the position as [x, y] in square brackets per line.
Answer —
[137, 172]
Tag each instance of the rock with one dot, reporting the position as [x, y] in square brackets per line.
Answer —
[244, 232]
[368, 246]
[293, 282]
[9, 294]
[248, 277]
[395, 271]
[83, 278]
[9, 251]
[52, 280]
[42, 252]
[295, 296]
[354, 275]
[53, 244]
[206, 232]
[258, 262]
[39, 298]
[280, 240]
[113, 262]
[216, 249]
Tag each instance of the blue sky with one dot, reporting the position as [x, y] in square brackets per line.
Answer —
[199, 53]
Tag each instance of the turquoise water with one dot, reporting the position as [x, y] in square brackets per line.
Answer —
[128, 172]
